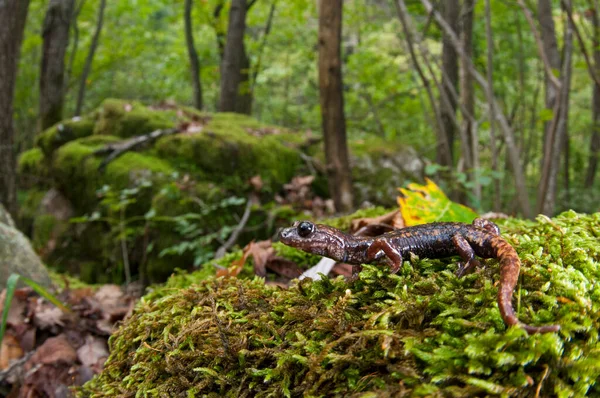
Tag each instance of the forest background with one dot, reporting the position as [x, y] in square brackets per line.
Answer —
[502, 97]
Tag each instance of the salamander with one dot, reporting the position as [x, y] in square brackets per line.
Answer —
[435, 240]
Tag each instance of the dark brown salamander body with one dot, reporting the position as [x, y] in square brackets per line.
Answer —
[436, 240]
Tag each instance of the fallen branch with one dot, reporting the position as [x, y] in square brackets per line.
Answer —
[236, 232]
[118, 149]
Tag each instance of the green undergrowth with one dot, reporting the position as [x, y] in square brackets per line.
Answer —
[421, 332]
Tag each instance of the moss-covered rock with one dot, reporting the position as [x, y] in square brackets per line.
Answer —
[130, 118]
[421, 332]
[224, 152]
[33, 163]
[68, 130]
[75, 170]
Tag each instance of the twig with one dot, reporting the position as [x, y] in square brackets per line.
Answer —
[549, 72]
[588, 63]
[236, 232]
[118, 149]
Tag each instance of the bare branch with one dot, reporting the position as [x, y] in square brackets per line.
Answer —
[512, 149]
[538, 41]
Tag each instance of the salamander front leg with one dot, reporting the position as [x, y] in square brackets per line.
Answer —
[487, 225]
[467, 254]
[393, 256]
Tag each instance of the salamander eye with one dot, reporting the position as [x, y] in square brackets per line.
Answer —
[305, 228]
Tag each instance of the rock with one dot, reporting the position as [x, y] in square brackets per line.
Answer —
[5, 217]
[17, 256]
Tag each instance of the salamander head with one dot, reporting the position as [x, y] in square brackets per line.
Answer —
[316, 239]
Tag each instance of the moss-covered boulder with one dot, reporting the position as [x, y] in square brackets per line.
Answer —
[68, 130]
[17, 256]
[421, 332]
[224, 151]
[130, 118]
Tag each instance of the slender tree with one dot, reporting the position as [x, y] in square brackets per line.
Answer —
[332, 104]
[233, 57]
[13, 14]
[467, 94]
[509, 137]
[451, 9]
[194, 62]
[55, 35]
[557, 99]
[492, 110]
[90, 58]
[592, 166]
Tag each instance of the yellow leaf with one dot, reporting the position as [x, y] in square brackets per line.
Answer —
[421, 204]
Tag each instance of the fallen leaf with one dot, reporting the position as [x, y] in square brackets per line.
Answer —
[55, 349]
[10, 350]
[93, 353]
[359, 223]
[47, 316]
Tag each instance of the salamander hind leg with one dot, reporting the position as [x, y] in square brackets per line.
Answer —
[394, 258]
[487, 225]
[465, 251]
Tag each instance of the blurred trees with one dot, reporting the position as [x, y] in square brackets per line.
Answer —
[503, 157]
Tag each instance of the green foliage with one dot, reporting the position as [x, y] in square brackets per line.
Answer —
[420, 332]
[196, 237]
[421, 204]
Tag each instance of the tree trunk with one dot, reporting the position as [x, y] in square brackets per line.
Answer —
[90, 58]
[332, 104]
[408, 37]
[467, 94]
[56, 40]
[590, 174]
[194, 63]
[75, 45]
[492, 110]
[556, 131]
[233, 57]
[243, 103]
[13, 14]
[451, 11]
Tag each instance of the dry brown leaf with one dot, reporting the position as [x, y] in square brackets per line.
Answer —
[17, 310]
[10, 350]
[236, 266]
[55, 349]
[261, 253]
[389, 219]
[93, 353]
[47, 316]
[256, 183]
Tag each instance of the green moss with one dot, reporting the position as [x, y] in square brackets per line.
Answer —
[33, 163]
[30, 203]
[76, 172]
[130, 118]
[65, 131]
[420, 332]
[65, 281]
[224, 152]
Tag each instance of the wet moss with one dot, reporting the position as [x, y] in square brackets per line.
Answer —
[421, 332]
